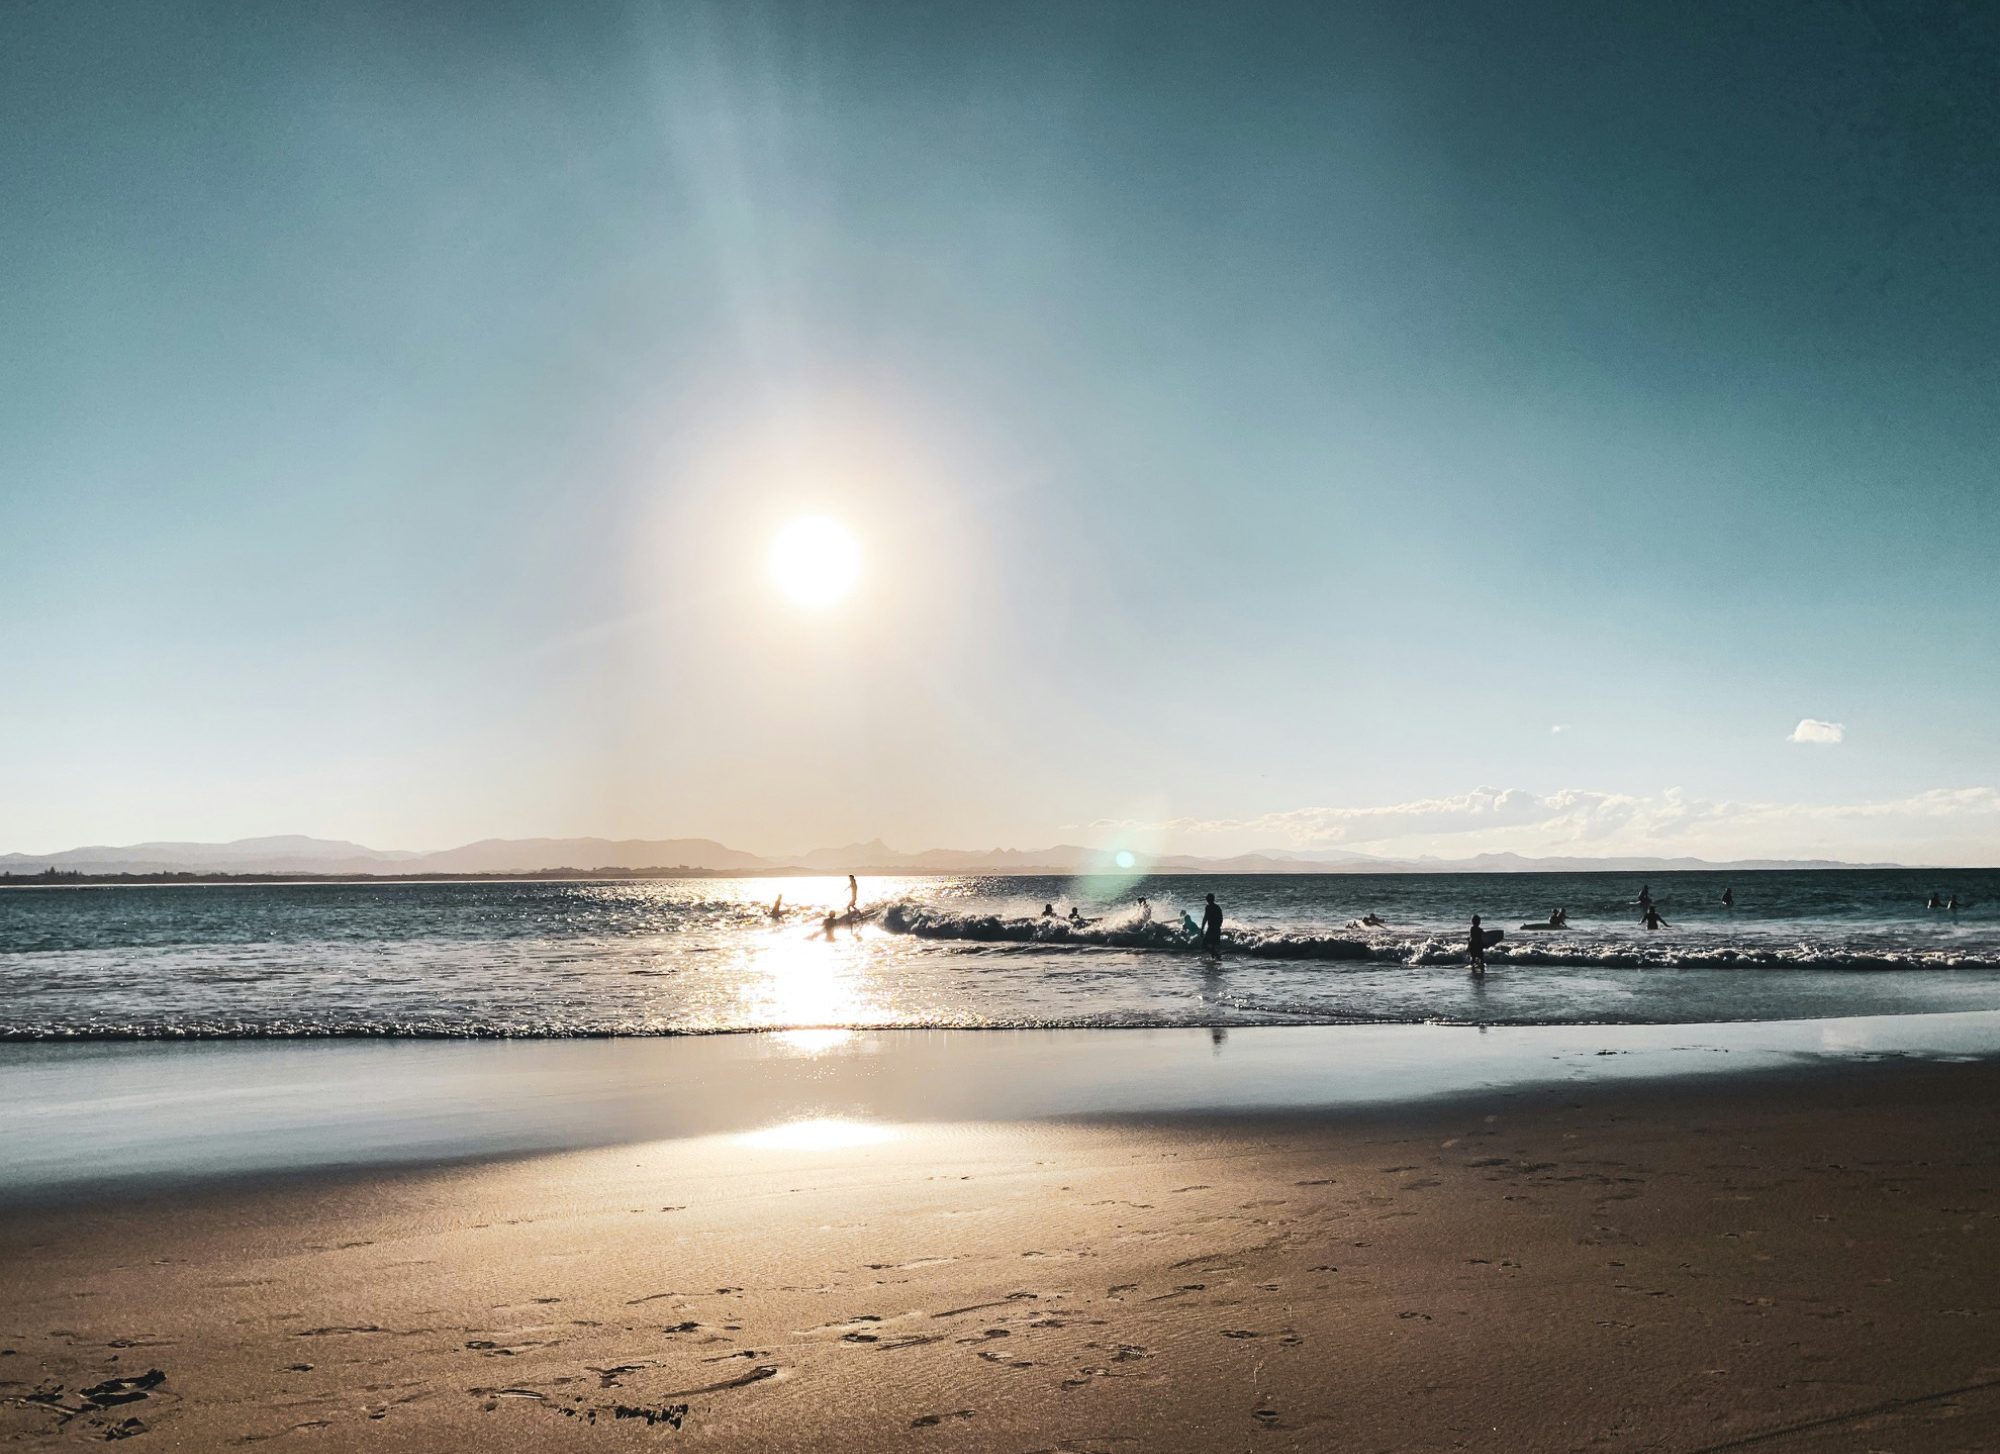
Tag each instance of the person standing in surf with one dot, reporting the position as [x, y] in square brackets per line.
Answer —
[853, 894]
[1211, 926]
[1475, 945]
[1652, 920]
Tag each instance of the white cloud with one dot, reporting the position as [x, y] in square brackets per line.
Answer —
[1811, 729]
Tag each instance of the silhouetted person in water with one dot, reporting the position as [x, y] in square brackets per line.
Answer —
[1729, 898]
[853, 893]
[1076, 916]
[1645, 896]
[1934, 903]
[832, 923]
[778, 907]
[1475, 946]
[1953, 905]
[1145, 912]
[1048, 911]
[1652, 920]
[1211, 926]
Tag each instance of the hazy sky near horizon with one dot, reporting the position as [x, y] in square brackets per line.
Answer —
[1394, 426]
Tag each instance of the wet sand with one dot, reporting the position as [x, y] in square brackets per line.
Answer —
[1783, 1260]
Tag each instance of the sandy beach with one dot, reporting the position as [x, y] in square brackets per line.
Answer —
[1783, 1259]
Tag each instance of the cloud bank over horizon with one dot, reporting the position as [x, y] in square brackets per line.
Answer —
[1936, 825]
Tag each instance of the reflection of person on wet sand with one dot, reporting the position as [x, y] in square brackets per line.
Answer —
[1652, 920]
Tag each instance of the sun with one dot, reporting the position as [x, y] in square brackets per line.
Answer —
[815, 560]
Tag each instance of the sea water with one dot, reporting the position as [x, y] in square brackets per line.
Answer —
[690, 956]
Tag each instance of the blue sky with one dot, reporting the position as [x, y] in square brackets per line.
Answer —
[1247, 415]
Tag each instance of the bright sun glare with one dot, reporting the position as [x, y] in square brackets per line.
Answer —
[815, 561]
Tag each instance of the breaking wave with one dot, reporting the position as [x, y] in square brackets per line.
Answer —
[1420, 948]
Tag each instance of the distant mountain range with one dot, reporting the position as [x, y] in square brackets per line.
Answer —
[294, 854]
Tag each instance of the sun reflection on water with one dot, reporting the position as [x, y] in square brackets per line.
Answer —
[818, 1133]
[813, 1042]
[810, 987]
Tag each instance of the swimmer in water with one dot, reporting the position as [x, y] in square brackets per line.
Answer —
[1048, 911]
[1652, 920]
[832, 923]
[1729, 898]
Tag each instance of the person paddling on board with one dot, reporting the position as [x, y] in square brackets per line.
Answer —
[1652, 920]
[1935, 902]
[1211, 926]
[1475, 944]
[853, 893]
[1729, 898]
[1188, 926]
[1645, 896]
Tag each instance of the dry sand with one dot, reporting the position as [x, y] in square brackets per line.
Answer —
[1771, 1263]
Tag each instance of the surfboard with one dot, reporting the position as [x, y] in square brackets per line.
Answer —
[1491, 937]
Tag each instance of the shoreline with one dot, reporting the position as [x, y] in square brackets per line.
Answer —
[95, 1118]
[1789, 1259]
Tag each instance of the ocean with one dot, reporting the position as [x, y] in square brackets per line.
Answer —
[697, 956]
